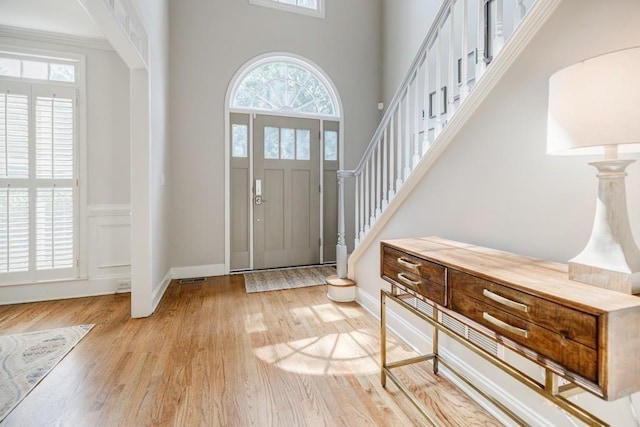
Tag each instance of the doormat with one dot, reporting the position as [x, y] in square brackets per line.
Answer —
[25, 359]
[288, 278]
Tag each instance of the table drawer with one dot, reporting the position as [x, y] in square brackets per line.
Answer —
[570, 324]
[419, 275]
[574, 356]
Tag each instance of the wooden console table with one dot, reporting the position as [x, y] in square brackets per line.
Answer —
[586, 335]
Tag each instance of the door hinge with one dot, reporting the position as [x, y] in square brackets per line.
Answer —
[320, 188]
[77, 263]
[320, 241]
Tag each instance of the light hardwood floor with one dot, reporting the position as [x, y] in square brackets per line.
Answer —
[213, 355]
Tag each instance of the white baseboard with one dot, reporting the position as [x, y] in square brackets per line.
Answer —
[159, 291]
[197, 271]
[50, 291]
[422, 344]
[184, 273]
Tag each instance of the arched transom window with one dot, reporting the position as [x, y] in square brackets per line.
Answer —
[285, 85]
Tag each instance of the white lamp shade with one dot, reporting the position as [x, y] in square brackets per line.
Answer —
[596, 103]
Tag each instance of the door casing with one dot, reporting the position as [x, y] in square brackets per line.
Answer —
[246, 197]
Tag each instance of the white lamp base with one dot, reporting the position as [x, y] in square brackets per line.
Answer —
[603, 278]
[611, 259]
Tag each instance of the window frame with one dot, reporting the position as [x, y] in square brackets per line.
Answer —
[80, 270]
[276, 4]
[281, 57]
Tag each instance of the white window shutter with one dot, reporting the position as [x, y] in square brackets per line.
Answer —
[14, 135]
[54, 228]
[14, 230]
[54, 138]
[38, 200]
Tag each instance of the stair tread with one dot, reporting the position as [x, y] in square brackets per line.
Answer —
[337, 281]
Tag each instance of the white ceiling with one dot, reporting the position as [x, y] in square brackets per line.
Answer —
[56, 16]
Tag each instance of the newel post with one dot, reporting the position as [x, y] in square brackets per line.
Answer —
[341, 247]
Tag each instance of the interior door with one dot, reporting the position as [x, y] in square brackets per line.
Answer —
[286, 190]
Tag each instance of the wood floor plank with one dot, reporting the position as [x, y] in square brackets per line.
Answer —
[214, 355]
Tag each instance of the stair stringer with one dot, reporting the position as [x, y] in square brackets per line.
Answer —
[528, 28]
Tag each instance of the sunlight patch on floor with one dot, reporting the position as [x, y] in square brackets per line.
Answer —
[324, 313]
[352, 353]
[254, 323]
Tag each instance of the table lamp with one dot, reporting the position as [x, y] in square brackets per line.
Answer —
[594, 108]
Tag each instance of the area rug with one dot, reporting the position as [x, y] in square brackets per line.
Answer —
[25, 359]
[289, 278]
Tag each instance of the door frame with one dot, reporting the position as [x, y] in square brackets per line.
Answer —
[252, 112]
[251, 116]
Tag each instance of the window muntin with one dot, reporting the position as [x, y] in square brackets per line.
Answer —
[285, 86]
[287, 143]
[37, 68]
[305, 7]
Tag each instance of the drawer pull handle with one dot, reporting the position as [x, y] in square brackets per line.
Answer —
[408, 264]
[499, 323]
[504, 301]
[404, 279]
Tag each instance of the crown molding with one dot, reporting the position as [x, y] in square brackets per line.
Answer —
[56, 38]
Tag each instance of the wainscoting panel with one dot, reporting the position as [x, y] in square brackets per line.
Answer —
[109, 243]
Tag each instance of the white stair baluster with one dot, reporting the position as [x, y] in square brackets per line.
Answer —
[481, 66]
[406, 127]
[358, 223]
[438, 98]
[520, 11]
[498, 39]
[385, 169]
[451, 106]
[367, 220]
[415, 129]
[426, 142]
[372, 188]
[363, 214]
[399, 147]
[379, 190]
[464, 59]
[392, 152]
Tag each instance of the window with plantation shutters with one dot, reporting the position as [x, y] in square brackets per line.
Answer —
[38, 185]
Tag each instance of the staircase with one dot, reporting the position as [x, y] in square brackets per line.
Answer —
[469, 47]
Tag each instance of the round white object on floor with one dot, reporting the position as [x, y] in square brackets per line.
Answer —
[341, 290]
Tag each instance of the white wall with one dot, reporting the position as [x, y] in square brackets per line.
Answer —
[495, 186]
[108, 162]
[155, 15]
[405, 24]
[209, 42]
[105, 254]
